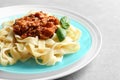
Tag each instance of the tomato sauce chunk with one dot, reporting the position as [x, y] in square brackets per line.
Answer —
[37, 24]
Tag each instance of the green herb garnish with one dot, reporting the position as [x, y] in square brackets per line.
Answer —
[61, 33]
[65, 22]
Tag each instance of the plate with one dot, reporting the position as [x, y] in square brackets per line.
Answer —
[90, 43]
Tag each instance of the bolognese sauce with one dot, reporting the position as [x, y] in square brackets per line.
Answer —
[37, 24]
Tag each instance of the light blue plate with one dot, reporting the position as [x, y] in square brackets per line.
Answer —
[30, 66]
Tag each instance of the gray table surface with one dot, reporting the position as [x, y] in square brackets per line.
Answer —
[106, 14]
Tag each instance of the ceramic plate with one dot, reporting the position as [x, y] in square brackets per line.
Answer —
[90, 43]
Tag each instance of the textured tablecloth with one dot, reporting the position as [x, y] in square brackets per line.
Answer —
[106, 14]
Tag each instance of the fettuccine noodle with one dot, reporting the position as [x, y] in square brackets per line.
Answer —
[45, 52]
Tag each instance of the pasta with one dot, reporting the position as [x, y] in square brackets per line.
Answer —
[45, 52]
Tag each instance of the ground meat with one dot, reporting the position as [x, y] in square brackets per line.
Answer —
[37, 24]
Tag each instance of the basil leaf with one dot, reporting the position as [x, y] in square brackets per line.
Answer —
[65, 22]
[61, 33]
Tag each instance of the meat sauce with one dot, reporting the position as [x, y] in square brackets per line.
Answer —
[37, 24]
